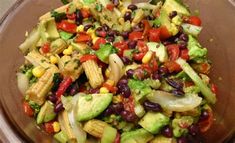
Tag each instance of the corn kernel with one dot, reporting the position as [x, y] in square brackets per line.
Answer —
[110, 82]
[117, 99]
[104, 90]
[56, 126]
[67, 51]
[177, 20]
[70, 47]
[80, 28]
[53, 59]
[94, 39]
[124, 10]
[38, 71]
[147, 57]
[90, 31]
[121, 20]
[107, 72]
[174, 30]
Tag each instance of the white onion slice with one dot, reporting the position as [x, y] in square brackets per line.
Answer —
[22, 82]
[116, 66]
[172, 103]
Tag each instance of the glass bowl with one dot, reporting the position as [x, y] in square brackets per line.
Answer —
[218, 36]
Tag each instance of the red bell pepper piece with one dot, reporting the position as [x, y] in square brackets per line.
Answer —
[49, 127]
[63, 86]
[154, 34]
[85, 12]
[82, 37]
[112, 89]
[27, 109]
[87, 57]
[121, 46]
[135, 35]
[98, 42]
[184, 54]
[173, 51]
[164, 34]
[46, 48]
[172, 66]
[67, 26]
[194, 20]
[110, 6]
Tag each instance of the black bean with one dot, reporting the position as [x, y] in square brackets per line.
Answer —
[178, 93]
[59, 107]
[52, 98]
[86, 27]
[122, 81]
[115, 2]
[194, 129]
[167, 132]
[184, 37]
[111, 33]
[89, 43]
[163, 70]
[204, 115]
[139, 74]
[74, 89]
[108, 111]
[125, 34]
[127, 16]
[78, 17]
[132, 44]
[110, 38]
[124, 90]
[152, 106]
[182, 44]
[139, 27]
[156, 76]
[94, 90]
[126, 61]
[176, 84]
[118, 108]
[128, 116]
[105, 27]
[132, 7]
[130, 73]
[182, 140]
[172, 14]
[150, 17]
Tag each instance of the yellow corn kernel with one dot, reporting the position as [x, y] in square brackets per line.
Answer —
[90, 31]
[38, 71]
[53, 59]
[174, 30]
[177, 20]
[147, 57]
[56, 126]
[68, 51]
[117, 99]
[93, 36]
[121, 20]
[110, 82]
[104, 90]
[80, 28]
[107, 72]
[94, 39]
[124, 10]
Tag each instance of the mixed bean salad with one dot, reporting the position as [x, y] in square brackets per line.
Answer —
[118, 72]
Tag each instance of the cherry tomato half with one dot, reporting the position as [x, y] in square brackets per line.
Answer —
[27, 109]
[173, 51]
[98, 42]
[135, 35]
[121, 46]
[154, 34]
[194, 20]
[87, 57]
[46, 48]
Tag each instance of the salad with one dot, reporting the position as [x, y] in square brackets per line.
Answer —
[118, 72]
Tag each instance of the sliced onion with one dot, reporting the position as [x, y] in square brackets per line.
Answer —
[116, 66]
[22, 82]
[172, 103]
[192, 29]
[145, 5]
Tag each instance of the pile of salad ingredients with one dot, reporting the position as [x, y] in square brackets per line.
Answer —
[117, 72]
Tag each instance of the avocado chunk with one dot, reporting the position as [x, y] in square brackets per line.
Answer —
[178, 122]
[52, 30]
[81, 48]
[159, 49]
[153, 122]
[109, 135]
[137, 136]
[162, 139]
[104, 52]
[175, 5]
[91, 105]
[46, 113]
[61, 137]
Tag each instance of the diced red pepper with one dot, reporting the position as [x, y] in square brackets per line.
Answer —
[99, 42]
[46, 48]
[164, 34]
[153, 63]
[112, 89]
[138, 56]
[146, 68]
[27, 109]
[206, 124]
[142, 47]
[173, 51]
[49, 127]
[87, 57]
[85, 12]
[67, 26]
[118, 138]
[154, 34]
[214, 88]
[194, 20]
[63, 86]
[121, 46]
[71, 16]
[146, 27]
[184, 54]
[172, 66]
[135, 35]
[110, 6]
[83, 37]
[129, 104]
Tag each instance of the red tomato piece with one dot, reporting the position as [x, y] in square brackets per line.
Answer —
[184, 54]
[146, 27]
[154, 34]
[214, 88]
[67, 26]
[194, 20]
[110, 6]
[164, 34]
[71, 16]
[49, 127]
[147, 68]
[153, 63]
[138, 56]
[121, 46]
[142, 47]
[87, 57]
[46, 48]
[135, 35]
[85, 12]
[118, 138]
[27, 109]
[129, 104]
[98, 42]
[173, 51]
[112, 89]
[172, 66]
[206, 124]
[83, 37]
[63, 86]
